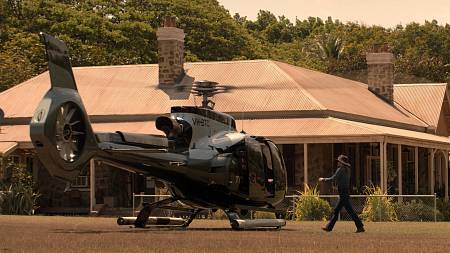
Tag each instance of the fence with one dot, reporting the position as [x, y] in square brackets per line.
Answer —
[406, 207]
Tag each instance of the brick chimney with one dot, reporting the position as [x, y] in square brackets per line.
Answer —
[170, 52]
[381, 75]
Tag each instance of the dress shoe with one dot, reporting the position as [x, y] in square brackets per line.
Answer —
[360, 230]
[326, 229]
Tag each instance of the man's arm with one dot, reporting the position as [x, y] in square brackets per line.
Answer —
[332, 177]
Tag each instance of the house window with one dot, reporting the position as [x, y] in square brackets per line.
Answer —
[14, 159]
[80, 182]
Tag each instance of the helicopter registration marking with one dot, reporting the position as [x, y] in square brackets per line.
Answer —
[200, 122]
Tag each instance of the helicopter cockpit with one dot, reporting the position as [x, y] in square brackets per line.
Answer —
[261, 170]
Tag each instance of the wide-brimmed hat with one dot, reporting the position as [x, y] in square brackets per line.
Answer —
[343, 159]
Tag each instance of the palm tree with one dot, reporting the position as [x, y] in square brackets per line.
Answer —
[330, 47]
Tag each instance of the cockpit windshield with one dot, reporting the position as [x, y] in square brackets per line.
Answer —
[268, 170]
[278, 166]
[267, 157]
[261, 169]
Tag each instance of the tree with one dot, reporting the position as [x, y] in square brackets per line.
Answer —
[116, 32]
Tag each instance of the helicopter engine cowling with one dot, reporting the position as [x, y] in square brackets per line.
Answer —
[169, 126]
[177, 131]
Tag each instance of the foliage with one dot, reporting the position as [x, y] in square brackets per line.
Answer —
[263, 215]
[104, 32]
[378, 208]
[101, 32]
[219, 215]
[416, 210]
[444, 209]
[18, 195]
[309, 206]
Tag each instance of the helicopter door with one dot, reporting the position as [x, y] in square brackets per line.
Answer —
[256, 177]
[268, 171]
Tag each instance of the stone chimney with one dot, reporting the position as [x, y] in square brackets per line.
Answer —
[170, 52]
[381, 75]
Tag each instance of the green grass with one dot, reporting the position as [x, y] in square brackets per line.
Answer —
[82, 234]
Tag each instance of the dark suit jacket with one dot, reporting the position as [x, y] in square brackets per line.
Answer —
[342, 179]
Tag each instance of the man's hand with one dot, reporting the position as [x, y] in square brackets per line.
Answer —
[321, 179]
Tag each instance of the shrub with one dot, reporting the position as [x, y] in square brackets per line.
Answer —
[263, 215]
[416, 210]
[219, 215]
[18, 195]
[443, 207]
[378, 208]
[309, 206]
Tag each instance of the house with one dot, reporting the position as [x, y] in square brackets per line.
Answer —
[396, 135]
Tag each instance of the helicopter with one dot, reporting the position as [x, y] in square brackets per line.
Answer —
[206, 163]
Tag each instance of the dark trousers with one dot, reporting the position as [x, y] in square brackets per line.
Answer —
[344, 201]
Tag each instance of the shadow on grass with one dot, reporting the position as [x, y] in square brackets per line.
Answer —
[158, 229]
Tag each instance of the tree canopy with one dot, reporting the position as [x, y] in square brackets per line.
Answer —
[100, 32]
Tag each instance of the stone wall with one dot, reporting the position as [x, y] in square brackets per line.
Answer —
[320, 163]
[380, 76]
[170, 52]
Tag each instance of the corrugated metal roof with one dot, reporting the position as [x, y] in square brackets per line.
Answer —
[302, 127]
[344, 95]
[316, 128]
[17, 133]
[267, 86]
[131, 90]
[142, 127]
[6, 147]
[330, 127]
[21, 133]
[422, 100]
[402, 133]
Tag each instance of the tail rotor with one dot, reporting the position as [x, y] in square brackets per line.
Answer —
[60, 129]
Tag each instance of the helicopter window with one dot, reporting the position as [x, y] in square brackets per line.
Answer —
[222, 118]
[268, 169]
[279, 168]
[275, 155]
[187, 133]
[233, 124]
[267, 156]
[243, 171]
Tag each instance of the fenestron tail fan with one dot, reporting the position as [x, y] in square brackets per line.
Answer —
[60, 129]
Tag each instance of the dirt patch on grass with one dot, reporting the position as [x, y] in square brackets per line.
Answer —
[82, 234]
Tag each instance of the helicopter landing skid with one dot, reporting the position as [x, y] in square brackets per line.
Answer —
[241, 224]
[143, 219]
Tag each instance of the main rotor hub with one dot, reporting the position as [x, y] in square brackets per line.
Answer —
[206, 89]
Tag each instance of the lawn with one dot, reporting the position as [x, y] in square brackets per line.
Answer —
[82, 234]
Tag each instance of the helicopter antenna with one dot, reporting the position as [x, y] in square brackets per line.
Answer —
[2, 117]
[242, 121]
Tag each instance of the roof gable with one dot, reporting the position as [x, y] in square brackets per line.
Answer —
[423, 100]
[347, 96]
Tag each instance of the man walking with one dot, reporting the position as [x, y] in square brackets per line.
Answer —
[342, 178]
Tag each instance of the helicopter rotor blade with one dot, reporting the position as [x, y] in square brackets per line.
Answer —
[183, 87]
